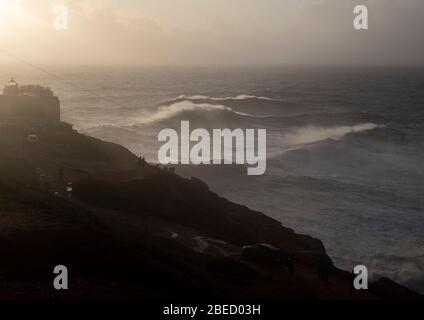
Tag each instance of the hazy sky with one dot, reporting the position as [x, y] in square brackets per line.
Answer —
[187, 32]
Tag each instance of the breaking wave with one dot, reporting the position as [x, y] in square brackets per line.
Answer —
[311, 134]
[239, 97]
[166, 112]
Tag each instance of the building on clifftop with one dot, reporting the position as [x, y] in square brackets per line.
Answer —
[29, 106]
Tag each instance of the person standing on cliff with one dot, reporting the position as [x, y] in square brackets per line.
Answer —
[352, 286]
[324, 270]
[141, 162]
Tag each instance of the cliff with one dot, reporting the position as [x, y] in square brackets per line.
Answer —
[126, 229]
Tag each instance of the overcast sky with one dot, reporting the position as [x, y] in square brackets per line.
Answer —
[184, 32]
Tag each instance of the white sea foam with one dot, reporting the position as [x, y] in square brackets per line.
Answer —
[239, 97]
[311, 134]
[174, 109]
[163, 113]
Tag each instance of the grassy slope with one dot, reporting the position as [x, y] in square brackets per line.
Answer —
[114, 233]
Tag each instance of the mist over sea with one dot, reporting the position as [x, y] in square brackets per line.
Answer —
[345, 145]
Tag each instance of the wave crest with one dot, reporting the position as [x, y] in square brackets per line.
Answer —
[170, 111]
[312, 134]
[239, 97]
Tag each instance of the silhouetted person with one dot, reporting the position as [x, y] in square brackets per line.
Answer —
[351, 285]
[291, 265]
[141, 162]
[61, 174]
[326, 276]
[324, 270]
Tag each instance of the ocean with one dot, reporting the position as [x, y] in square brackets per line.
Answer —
[344, 155]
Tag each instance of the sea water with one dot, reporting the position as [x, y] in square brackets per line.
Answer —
[345, 145]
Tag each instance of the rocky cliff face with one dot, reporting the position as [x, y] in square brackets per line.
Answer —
[126, 229]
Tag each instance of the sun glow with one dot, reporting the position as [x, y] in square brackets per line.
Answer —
[7, 8]
[11, 15]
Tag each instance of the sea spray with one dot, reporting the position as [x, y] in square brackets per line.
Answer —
[311, 134]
